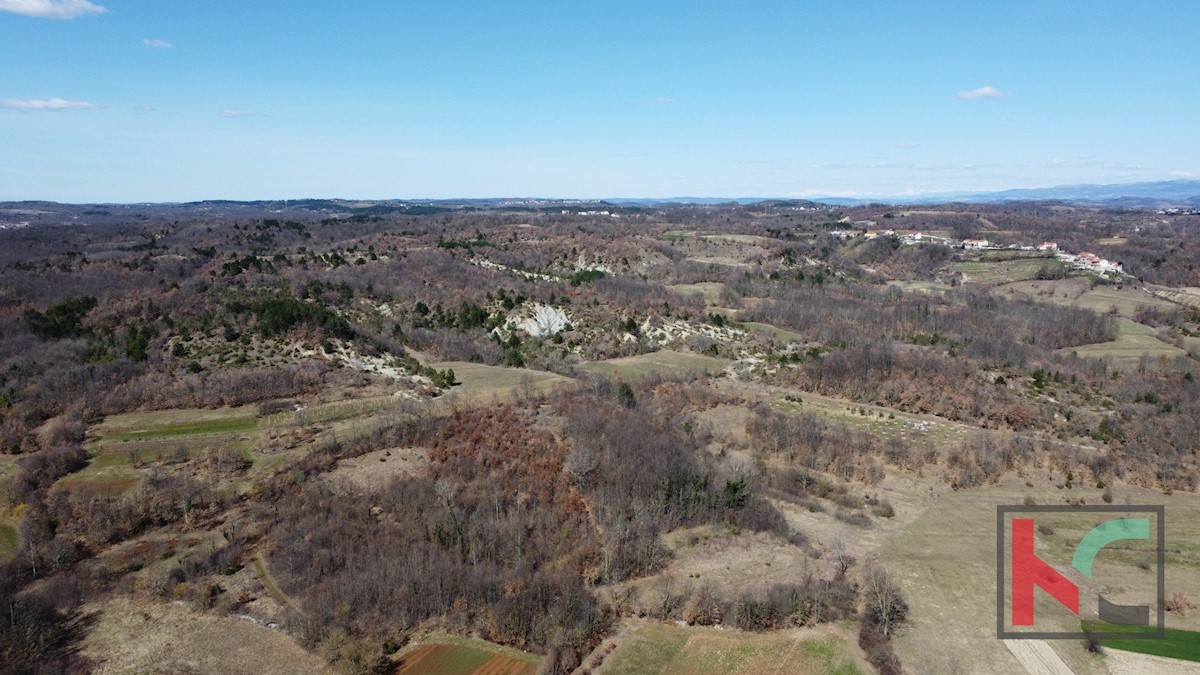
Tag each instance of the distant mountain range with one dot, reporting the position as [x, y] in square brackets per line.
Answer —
[1152, 194]
[1158, 194]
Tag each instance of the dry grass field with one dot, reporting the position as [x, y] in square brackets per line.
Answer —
[771, 331]
[945, 562]
[709, 290]
[121, 445]
[482, 383]
[133, 636]
[8, 531]
[1000, 272]
[730, 250]
[679, 650]
[374, 469]
[663, 362]
[1079, 292]
[1134, 341]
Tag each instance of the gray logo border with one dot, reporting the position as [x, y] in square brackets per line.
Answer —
[1158, 510]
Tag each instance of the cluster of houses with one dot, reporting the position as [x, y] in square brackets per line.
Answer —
[565, 212]
[1089, 262]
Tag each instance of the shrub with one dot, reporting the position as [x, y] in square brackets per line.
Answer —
[856, 518]
[884, 509]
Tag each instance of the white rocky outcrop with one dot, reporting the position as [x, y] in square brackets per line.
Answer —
[546, 321]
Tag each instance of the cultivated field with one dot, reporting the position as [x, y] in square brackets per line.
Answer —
[448, 655]
[1188, 297]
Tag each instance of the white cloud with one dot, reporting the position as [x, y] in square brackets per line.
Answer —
[232, 113]
[51, 9]
[47, 104]
[983, 92]
[157, 43]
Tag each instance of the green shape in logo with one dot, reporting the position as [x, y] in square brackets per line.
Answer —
[1104, 534]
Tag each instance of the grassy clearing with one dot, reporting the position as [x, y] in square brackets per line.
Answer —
[174, 423]
[134, 636]
[743, 239]
[879, 420]
[8, 539]
[772, 331]
[664, 362]
[480, 382]
[657, 648]
[1000, 272]
[217, 426]
[1134, 340]
[334, 411]
[122, 444]
[101, 487]
[464, 656]
[8, 467]
[710, 290]
[1178, 644]
[920, 286]
[679, 234]
[1125, 300]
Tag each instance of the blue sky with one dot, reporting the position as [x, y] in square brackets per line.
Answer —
[166, 100]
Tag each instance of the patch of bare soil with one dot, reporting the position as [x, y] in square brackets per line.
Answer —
[727, 563]
[373, 470]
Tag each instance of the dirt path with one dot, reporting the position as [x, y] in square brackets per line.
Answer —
[1037, 657]
[259, 563]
